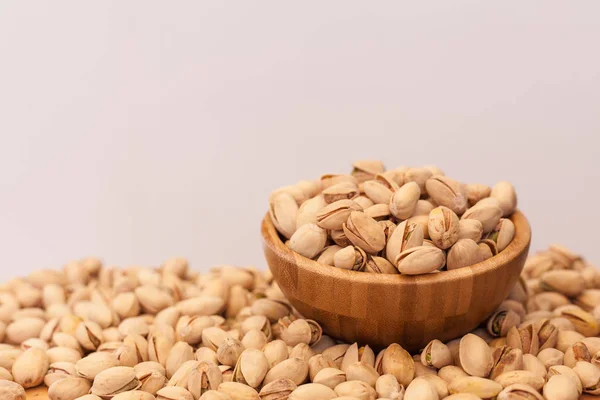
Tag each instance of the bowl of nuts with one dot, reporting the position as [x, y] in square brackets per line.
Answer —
[395, 256]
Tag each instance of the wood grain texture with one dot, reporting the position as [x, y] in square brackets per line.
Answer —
[379, 309]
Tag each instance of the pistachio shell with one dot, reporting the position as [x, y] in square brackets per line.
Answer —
[475, 356]
[484, 388]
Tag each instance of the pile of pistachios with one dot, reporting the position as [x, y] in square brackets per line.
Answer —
[406, 220]
[93, 332]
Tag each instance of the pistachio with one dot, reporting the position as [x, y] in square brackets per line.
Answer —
[309, 240]
[451, 372]
[388, 387]
[307, 213]
[251, 368]
[404, 200]
[203, 377]
[470, 229]
[519, 391]
[501, 321]
[295, 369]
[420, 260]
[30, 367]
[312, 391]
[11, 391]
[340, 191]
[159, 346]
[336, 214]
[173, 393]
[330, 377]
[148, 366]
[405, 236]
[448, 193]
[134, 395]
[520, 377]
[584, 322]
[360, 371]
[115, 380]
[436, 354]
[275, 352]
[484, 388]
[476, 192]
[283, 210]
[238, 391]
[317, 363]
[550, 357]
[465, 252]
[68, 388]
[475, 356]
[356, 389]
[503, 233]
[379, 190]
[398, 362]
[91, 365]
[277, 390]
[577, 352]
[567, 338]
[524, 339]
[560, 387]
[179, 353]
[379, 265]
[566, 371]
[272, 309]
[364, 232]
[190, 328]
[488, 214]
[443, 227]
[504, 192]
[152, 299]
[22, 329]
[420, 389]
[351, 258]
[364, 170]
[589, 375]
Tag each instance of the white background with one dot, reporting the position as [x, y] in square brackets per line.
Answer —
[137, 130]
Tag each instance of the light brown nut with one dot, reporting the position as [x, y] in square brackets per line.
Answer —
[69, 388]
[278, 389]
[351, 258]
[30, 367]
[420, 389]
[519, 391]
[308, 240]
[448, 193]
[335, 214]
[503, 233]
[173, 393]
[451, 372]
[470, 229]
[475, 356]
[283, 210]
[330, 377]
[405, 236]
[404, 200]
[506, 359]
[436, 354]
[501, 321]
[476, 192]
[484, 388]
[465, 252]
[312, 391]
[356, 389]
[505, 193]
[520, 377]
[115, 380]
[251, 368]
[398, 362]
[364, 170]
[295, 369]
[307, 213]
[11, 391]
[91, 365]
[563, 370]
[364, 232]
[488, 214]
[420, 260]
[238, 391]
[443, 227]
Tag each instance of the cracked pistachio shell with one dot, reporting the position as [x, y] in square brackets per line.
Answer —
[506, 360]
[577, 352]
[159, 346]
[588, 299]
[126, 305]
[520, 377]
[307, 213]
[566, 339]
[283, 210]
[317, 363]
[139, 345]
[39, 343]
[330, 377]
[488, 214]
[148, 366]
[295, 369]
[327, 255]
[364, 232]
[312, 391]
[238, 391]
[560, 387]
[387, 386]
[465, 252]
[524, 338]
[404, 200]
[589, 375]
[360, 371]
[251, 368]
[420, 389]
[505, 193]
[275, 352]
[69, 388]
[302, 351]
[340, 191]
[180, 353]
[204, 376]
[501, 321]
[436, 354]
[11, 391]
[377, 191]
[89, 335]
[398, 362]
[451, 372]
[254, 339]
[423, 221]
[351, 258]
[364, 170]
[476, 192]
[91, 365]
[202, 305]
[189, 328]
[182, 375]
[519, 391]
[486, 250]
[532, 364]
[440, 385]
[22, 329]
[503, 233]
[58, 371]
[443, 227]
[356, 389]
[30, 367]
[566, 371]
[213, 337]
[334, 215]
[309, 240]
[405, 236]
[173, 393]
[379, 265]
[448, 193]
[132, 325]
[584, 322]
[299, 331]
[423, 207]
[364, 202]
[420, 260]
[272, 309]
[567, 282]
[115, 380]
[277, 390]
[328, 180]
[475, 356]
[482, 387]
[546, 332]
[339, 237]
[153, 299]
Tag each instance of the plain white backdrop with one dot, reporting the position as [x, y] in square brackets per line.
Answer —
[137, 130]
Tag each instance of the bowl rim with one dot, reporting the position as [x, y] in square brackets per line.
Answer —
[517, 246]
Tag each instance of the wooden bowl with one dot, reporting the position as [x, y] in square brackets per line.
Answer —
[379, 309]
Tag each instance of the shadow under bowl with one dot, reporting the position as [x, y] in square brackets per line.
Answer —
[380, 309]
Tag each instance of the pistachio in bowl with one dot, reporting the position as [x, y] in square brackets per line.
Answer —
[406, 220]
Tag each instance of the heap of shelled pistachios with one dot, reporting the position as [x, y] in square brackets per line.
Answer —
[405, 220]
[91, 332]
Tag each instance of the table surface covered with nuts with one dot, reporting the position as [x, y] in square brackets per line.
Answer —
[405, 220]
[93, 332]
